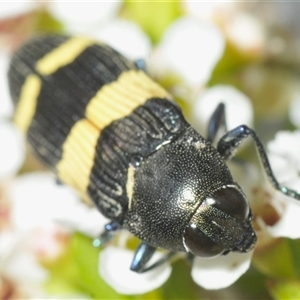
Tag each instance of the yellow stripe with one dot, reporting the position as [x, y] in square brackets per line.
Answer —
[63, 55]
[130, 185]
[27, 103]
[121, 97]
[78, 155]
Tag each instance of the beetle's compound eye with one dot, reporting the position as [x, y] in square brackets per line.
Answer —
[231, 201]
[219, 224]
[200, 244]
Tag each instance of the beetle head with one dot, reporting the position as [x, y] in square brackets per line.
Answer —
[222, 223]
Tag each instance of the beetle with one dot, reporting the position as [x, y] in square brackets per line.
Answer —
[117, 137]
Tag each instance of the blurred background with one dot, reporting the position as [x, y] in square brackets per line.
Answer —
[245, 54]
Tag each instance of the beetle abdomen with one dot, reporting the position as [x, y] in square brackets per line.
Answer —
[88, 114]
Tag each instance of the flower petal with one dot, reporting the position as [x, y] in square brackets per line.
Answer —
[221, 271]
[11, 8]
[24, 268]
[9, 241]
[238, 107]
[82, 218]
[6, 107]
[81, 16]
[119, 32]
[286, 144]
[284, 169]
[209, 9]
[246, 33]
[16, 261]
[37, 200]
[48, 243]
[114, 266]
[288, 224]
[191, 48]
[12, 149]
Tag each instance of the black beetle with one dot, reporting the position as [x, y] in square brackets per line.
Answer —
[105, 128]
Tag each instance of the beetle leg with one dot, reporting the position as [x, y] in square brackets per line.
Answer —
[109, 231]
[230, 142]
[160, 262]
[143, 254]
[141, 64]
[216, 123]
[112, 226]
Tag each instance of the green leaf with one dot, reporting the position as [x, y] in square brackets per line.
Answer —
[232, 60]
[279, 260]
[86, 257]
[294, 247]
[180, 284]
[252, 285]
[46, 23]
[285, 289]
[64, 274]
[154, 17]
[59, 285]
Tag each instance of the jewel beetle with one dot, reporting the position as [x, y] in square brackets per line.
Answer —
[109, 131]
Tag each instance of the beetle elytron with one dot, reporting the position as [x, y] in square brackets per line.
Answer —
[105, 128]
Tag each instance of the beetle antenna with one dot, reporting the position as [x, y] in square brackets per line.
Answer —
[230, 142]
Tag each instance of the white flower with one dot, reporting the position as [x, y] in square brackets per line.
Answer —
[214, 273]
[82, 218]
[12, 144]
[246, 33]
[25, 266]
[39, 204]
[285, 161]
[10, 9]
[6, 108]
[99, 20]
[221, 271]
[12, 149]
[114, 268]
[243, 30]
[289, 211]
[126, 37]
[238, 108]
[80, 17]
[285, 148]
[190, 48]
[19, 265]
[210, 9]
[38, 209]
[38, 200]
